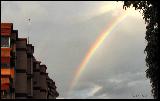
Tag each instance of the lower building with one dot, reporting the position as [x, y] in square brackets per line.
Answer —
[22, 76]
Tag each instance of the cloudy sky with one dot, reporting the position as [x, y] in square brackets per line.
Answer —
[63, 32]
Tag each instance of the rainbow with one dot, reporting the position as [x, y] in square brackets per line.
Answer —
[114, 22]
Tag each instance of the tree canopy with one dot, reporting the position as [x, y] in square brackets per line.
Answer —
[151, 15]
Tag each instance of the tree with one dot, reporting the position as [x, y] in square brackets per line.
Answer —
[151, 15]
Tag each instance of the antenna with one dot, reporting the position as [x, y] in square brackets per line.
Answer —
[29, 22]
[28, 39]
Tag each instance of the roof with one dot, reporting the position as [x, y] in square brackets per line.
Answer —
[43, 65]
[38, 61]
[22, 38]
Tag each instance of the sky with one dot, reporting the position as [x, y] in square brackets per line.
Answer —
[63, 32]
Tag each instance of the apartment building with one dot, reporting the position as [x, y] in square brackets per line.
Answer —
[22, 76]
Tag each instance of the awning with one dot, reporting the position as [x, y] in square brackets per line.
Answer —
[5, 52]
[5, 82]
[4, 86]
[8, 71]
[6, 29]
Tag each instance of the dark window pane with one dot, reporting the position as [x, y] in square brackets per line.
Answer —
[5, 65]
[4, 41]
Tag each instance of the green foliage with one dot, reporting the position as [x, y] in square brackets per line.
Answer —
[151, 15]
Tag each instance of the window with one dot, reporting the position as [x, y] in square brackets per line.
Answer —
[4, 41]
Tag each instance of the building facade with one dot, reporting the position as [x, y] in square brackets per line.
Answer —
[22, 76]
[7, 61]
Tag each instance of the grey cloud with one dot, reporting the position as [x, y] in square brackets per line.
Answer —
[62, 34]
